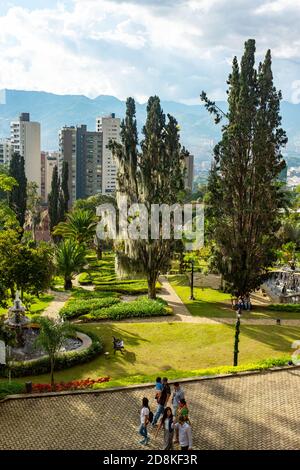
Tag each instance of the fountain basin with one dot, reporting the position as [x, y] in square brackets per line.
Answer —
[28, 353]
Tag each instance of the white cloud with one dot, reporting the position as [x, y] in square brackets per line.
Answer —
[141, 47]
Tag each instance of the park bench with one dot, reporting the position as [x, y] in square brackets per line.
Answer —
[118, 345]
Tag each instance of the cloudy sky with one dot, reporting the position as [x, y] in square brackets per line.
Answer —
[174, 48]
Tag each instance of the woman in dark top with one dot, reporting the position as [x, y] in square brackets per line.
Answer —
[166, 422]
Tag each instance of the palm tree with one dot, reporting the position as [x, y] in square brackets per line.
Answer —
[70, 259]
[52, 335]
[79, 226]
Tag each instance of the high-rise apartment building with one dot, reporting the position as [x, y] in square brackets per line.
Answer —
[189, 175]
[6, 150]
[82, 150]
[48, 161]
[109, 126]
[26, 140]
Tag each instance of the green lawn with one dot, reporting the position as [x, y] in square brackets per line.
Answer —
[176, 350]
[213, 303]
[37, 306]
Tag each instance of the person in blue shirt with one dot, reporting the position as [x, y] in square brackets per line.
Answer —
[158, 388]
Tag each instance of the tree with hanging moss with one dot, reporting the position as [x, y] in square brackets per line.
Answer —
[18, 193]
[244, 193]
[153, 175]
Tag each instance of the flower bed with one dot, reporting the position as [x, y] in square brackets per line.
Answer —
[65, 386]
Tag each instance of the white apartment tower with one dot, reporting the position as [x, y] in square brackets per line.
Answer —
[26, 140]
[6, 150]
[109, 126]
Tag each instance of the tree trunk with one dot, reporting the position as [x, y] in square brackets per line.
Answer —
[152, 287]
[68, 283]
[99, 251]
[12, 292]
[52, 374]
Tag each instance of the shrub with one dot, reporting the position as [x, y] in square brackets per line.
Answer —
[143, 307]
[133, 287]
[87, 294]
[12, 388]
[76, 308]
[63, 361]
[285, 307]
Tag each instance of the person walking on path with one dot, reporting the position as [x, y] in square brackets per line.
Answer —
[182, 409]
[166, 423]
[178, 395]
[162, 401]
[144, 421]
[158, 388]
[183, 433]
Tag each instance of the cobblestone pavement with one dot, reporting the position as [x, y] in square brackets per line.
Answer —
[244, 412]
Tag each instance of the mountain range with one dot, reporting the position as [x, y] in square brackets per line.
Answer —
[198, 130]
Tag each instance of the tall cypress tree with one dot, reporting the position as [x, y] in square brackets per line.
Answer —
[244, 193]
[153, 176]
[53, 200]
[64, 186]
[18, 195]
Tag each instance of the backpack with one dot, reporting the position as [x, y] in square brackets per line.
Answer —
[150, 417]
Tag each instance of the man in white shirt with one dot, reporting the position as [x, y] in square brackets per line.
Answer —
[183, 432]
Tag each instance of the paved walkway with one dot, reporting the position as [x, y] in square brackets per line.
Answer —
[181, 313]
[60, 298]
[244, 412]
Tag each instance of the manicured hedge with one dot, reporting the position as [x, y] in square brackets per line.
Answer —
[143, 307]
[285, 307]
[92, 294]
[125, 287]
[77, 307]
[63, 361]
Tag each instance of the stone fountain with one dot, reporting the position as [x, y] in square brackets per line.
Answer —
[17, 320]
[25, 348]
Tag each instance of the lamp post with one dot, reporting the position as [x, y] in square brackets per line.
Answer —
[192, 281]
[236, 339]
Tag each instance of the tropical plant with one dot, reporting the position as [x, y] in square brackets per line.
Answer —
[70, 259]
[80, 226]
[52, 335]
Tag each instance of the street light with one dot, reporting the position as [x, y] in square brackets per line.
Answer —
[236, 339]
[192, 281]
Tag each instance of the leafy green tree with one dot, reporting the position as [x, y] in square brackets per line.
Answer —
[33, 268]
[9, 253]
[80, 226]
[51, 338]
[18, 193]
[8, 217]
[244, 193]
[70, 259]
[153, 176]
[92, 202]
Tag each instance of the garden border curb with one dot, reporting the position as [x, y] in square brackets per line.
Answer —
[147, 385]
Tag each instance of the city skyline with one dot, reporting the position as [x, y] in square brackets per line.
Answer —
[140, 48]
